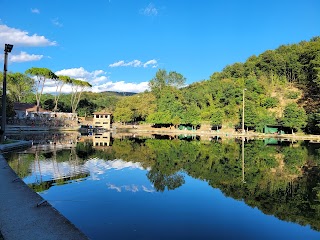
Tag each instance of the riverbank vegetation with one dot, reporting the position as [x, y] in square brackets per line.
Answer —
[280, 88]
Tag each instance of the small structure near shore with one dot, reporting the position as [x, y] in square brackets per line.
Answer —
[102, 120]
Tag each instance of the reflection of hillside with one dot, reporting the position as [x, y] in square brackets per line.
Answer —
[280, 180]
[284, 188]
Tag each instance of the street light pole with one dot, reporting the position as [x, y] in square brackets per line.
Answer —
[243, 109]
[7, 49]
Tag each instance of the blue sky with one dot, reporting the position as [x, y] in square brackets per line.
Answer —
[118, 45]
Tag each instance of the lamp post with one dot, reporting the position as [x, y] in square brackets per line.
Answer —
[7, 49]
[243, 109]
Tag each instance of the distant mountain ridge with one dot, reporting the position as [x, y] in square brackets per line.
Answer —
[120, 93]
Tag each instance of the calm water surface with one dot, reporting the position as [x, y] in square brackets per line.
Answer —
[181, 188]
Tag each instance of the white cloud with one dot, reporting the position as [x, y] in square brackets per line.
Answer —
[121, 86]
[150, 10]
[22, 38]
[152, 62]
[80, 73]
[99, 80]
[144, 188]
[117, 64]
[98, 72]
[35, 10]
[49, 171]
[130, 188]
[112, 186]
[56, 22]
[134, 63]
[25, 57]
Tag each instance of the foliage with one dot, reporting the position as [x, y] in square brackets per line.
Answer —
[270, 102]
[294, 117]
[164, 79]
[273, 79]
[60, 81]
[134, 108]
[280, 180]
[78, 87]
[292, 95]
[20, 85]
[41, 74]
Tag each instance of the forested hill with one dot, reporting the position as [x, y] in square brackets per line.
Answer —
[281, 85]
[118, 93]
[296, 64]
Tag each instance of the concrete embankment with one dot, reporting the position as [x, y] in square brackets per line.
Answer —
[139, 130]
[24, 214]
[27, 128]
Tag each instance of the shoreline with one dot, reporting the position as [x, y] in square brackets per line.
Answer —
[147, 129]
[26, 215]
[214, 133]
[40, 220]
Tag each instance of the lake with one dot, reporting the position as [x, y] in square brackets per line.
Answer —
[177, 187]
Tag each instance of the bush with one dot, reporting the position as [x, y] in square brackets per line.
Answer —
[292, 95]
[270, 102]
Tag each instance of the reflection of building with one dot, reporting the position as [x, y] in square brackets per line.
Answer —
[102, 120]
[101, 139]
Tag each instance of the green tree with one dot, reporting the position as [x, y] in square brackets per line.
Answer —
[123, 114]
[60, 81]
[86, 108]
[19, 86]
[41, 75]
[216, 116]
[294, 116]
[78, 87]
[163, 79]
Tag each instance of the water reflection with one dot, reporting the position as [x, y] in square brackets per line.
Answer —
[279, 179]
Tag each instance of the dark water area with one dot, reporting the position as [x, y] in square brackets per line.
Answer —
[182, 187]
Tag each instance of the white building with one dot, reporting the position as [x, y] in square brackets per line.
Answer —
[102, 120]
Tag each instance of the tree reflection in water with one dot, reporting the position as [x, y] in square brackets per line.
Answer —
[281, 180]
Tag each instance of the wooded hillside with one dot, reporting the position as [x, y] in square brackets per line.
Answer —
[280, 86]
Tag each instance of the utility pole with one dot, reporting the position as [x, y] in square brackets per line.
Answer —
[243, 109]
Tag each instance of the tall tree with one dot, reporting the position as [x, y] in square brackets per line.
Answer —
[19, 86]
[163, 79]
[60, 81]
[41, 75]
[294, 117]
[78, 87]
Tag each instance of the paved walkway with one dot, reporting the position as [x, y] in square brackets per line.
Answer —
[20, 215]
